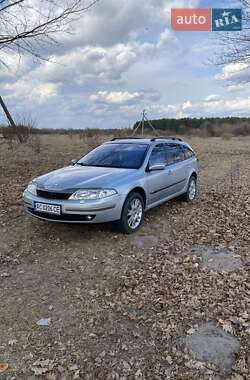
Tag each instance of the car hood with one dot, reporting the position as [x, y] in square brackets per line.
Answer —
[76, 177]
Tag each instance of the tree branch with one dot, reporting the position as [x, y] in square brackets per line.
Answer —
[21, 23]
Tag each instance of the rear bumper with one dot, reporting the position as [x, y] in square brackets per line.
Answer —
[97, 211]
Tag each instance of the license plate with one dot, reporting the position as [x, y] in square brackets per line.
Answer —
[50, 209]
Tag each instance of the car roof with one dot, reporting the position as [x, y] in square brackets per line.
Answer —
[138, 140]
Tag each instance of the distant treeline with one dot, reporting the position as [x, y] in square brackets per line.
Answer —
[203, 127]
[234, 126]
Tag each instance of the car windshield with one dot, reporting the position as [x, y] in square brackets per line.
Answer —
[124, 156]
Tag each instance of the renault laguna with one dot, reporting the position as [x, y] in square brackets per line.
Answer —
[118, 181]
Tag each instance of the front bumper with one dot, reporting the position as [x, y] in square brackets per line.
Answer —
[74, 211]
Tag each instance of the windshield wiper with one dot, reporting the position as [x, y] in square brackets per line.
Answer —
[81, 164]
[90, 166]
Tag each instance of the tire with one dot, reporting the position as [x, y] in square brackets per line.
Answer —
[191, 193]
[134, 206]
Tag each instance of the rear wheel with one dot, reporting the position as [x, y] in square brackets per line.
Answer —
[191, 193]
[132, 214]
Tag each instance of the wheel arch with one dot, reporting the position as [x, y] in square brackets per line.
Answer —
[140, 191]
[193, 174]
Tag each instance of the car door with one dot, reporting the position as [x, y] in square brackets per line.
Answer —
[159, 181]
[175, 160]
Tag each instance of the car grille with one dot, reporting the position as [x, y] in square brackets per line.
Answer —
[53, 195]
[62, 217]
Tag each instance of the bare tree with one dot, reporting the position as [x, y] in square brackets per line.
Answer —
[26, 25]
[235, 46]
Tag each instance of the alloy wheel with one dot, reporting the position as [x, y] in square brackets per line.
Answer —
[134, 214]
[192, 189]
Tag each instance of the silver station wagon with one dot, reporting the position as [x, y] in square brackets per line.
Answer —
[118, 181]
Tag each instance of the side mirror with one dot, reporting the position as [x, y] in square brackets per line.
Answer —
[155, 167]
[73, 162]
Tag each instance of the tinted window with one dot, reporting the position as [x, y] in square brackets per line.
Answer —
[127, 156]
[187, 152]
[167, 154]
[158, 155]
[174, 154]
[179, 154]
[170, 154]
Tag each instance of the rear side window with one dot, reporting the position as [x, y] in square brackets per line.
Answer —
[187, 152]
[174, 154]
[169, 154]
[179, 154]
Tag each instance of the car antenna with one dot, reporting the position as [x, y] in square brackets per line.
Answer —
[142, 124]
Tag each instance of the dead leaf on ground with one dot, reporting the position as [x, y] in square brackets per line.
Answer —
[3, 367]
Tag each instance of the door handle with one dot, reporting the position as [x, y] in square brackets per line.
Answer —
[170, 171]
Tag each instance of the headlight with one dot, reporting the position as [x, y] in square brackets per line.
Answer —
[91, 194]
[32, 187]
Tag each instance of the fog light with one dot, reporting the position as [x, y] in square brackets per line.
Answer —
[90, 217]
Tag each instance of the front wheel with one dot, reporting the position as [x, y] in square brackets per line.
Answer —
[132, 214]
[191, 193]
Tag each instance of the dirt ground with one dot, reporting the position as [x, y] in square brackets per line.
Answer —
[118, 310]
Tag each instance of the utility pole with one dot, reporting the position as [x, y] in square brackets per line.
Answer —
[8, 115]
[142, 124]
[11, 121]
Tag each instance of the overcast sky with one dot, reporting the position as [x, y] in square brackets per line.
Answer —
[122, 57]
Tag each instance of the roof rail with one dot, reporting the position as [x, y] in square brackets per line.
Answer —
[127, 138]
[153, 139]
[166, 138]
